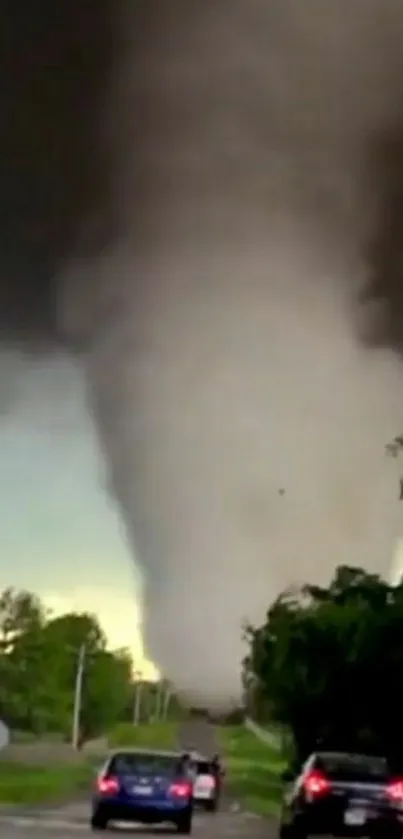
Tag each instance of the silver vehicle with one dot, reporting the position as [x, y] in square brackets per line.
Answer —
[206, 783]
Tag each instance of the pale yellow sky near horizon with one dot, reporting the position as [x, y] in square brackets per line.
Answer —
[117, 615]
[121, 620]
[61, 534]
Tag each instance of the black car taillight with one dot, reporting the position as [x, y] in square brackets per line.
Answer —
[394, 790]
[316, 784]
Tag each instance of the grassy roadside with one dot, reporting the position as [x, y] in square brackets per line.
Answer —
[38, 777]
[253, 770]
[150, 735]
[37, 784]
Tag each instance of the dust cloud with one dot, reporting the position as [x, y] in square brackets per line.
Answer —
[226, 262]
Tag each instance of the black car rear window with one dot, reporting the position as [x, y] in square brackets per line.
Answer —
[203, 767]
[342, 767]
[128, 763]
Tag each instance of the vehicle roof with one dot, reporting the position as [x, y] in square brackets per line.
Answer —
[195, 757]
[349, 755]
[143, 751]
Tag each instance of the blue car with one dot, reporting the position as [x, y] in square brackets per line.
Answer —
[144, 786]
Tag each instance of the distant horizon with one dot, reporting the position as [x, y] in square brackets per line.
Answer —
[58, 605]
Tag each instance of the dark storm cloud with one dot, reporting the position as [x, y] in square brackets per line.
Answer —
[54, 62]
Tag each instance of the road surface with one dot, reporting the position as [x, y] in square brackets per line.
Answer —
[197, 734]
[70, 821]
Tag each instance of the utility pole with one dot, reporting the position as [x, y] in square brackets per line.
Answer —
[159, 699]
[167, 700]
[75, 738]
[138, 689]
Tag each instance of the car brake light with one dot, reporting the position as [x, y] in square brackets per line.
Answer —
[395, 790]
[180, 790]
[206, 781]
[108, 786]
[316, 784]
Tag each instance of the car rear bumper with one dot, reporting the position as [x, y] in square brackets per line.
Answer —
[201, 799]
[116, 810]
[373, 825]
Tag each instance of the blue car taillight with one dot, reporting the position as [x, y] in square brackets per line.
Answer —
[180, 790]
[108, 786]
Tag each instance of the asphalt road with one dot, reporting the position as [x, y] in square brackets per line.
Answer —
[71, 820]
[197, 734]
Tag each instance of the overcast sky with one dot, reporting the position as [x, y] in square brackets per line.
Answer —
[60, 534]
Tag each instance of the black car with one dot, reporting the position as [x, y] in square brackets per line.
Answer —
[341, 794]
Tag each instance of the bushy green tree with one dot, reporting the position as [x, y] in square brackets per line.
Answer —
[38, 665]
[329, 661]
[107, 690]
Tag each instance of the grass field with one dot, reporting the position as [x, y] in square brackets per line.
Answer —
[34, 784]
[152, 735]
[39, 772]
[253, 770]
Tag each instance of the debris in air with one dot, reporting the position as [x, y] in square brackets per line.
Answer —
[395, 447]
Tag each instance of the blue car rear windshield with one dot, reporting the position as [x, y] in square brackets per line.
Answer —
[145, 764]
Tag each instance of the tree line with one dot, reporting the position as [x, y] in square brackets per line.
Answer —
[39, 655]
[327, 663]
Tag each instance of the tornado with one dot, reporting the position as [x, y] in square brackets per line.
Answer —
[203, 203]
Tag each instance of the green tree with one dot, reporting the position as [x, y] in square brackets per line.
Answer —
[107, 690]
[107, 675]
[20, 611]
[22, 619]
[38, 666]
[329, 663]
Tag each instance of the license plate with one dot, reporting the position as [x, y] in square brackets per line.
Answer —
[355, 818]
[142, 790]
[202, 793]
